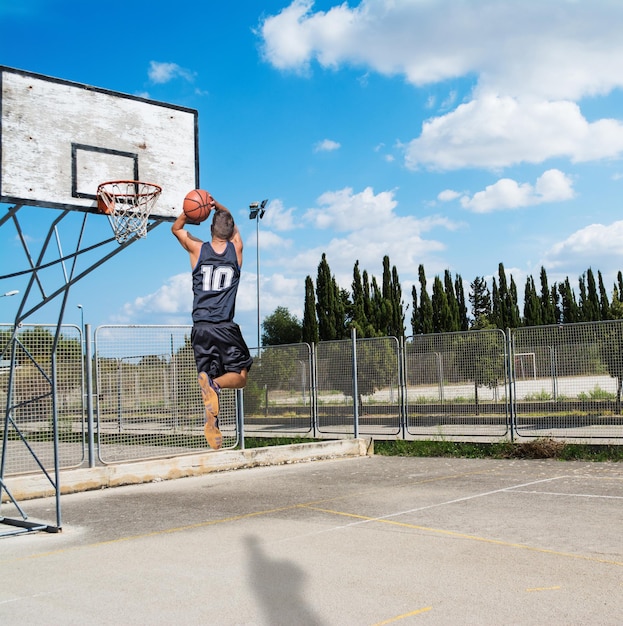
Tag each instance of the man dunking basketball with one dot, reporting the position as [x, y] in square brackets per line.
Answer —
[221, 354]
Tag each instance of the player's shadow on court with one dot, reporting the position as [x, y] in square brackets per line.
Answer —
[278, 587]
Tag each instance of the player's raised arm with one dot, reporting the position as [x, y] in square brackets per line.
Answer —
[190, 243]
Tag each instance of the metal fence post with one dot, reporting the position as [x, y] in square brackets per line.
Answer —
[355, 389]
[88, 357]
[240, 416]
[511, 383]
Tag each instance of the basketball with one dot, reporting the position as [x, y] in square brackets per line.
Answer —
[197, 205]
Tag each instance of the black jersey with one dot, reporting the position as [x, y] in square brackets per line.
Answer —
[215, 284]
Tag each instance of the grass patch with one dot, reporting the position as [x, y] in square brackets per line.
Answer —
[544, 448]
[264, 442]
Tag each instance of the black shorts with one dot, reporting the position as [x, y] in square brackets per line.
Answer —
[219, 348]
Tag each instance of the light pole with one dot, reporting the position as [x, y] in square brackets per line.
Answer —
[13, 292]
[256, 212]
[79, 306]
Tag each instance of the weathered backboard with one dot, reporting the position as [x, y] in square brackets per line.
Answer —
[59, 140]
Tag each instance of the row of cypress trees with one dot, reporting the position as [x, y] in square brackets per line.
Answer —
[378, 310]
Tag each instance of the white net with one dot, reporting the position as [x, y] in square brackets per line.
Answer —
[128, 204]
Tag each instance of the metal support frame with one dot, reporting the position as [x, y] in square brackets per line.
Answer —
[41, 289]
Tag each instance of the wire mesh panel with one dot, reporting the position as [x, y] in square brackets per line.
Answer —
[456, 384]
[148, 401]
[28, 393]
[378, 386]
[334, 387]
[278, 396]
[567, 380]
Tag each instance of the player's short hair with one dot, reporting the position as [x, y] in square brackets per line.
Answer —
[222, 225]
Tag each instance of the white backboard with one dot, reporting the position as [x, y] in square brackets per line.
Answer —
[59, 140]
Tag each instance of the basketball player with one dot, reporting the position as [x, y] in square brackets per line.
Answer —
[221, 354]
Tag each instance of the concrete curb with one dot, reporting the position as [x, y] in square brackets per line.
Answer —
[85, 479]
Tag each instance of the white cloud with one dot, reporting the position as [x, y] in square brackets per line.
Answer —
[160, 73]
[448, 195]
[362, 224]
[345, 210]
[174, 297]
[327, 145]
[552, 186]
[555, 49]
[494, 132]
[597, 246]
[592, 240]
[530, 62]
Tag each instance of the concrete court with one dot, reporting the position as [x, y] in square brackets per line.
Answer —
[363, 541]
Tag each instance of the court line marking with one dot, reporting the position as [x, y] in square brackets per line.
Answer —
[570, 495]
[554, 588]
[236, 518]
[451, 533]
[361, 520]
[391, 620]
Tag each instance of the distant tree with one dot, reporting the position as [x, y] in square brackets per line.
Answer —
[604, 305]
[330, 305]
[548, 308]
[480, 299]
[460, 298]
[359, 319]
[569, 307]
[442, 315]
[453, 305]
[414, 311]
[281, 327]
[392, 324]
[514, 319]
[593, 295]
[426, 306]
[532, 310]
[310, 321]
[589, 300]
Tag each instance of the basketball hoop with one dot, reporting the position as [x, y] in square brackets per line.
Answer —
[128, 204]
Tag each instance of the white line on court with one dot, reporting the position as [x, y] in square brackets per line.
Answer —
[464, 499]
[570, 495]
[415, 510]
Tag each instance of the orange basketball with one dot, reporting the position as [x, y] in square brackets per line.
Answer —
[197, 205]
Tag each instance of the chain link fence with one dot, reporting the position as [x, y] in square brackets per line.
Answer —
[567, 380]
[27, 395]
[148, 401]
[546, 381]
[456, 384]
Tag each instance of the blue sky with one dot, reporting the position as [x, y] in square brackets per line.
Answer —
[456, 135]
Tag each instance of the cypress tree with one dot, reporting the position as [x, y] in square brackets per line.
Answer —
[426, 306]
[398, 321]
[514, 319]
[310, 322]
[460, 298]
[604, 305]
[504, 309]
[570, 313]
[480, 299]
[358, 317]
[548, 313]
[453, 305]
[442, 315]
[556, 304]
[496, 306]
[532, 310]
[590, 300]
[415, 325]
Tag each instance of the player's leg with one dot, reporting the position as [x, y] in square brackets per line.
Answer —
[232, 380]
[208, 362]
[211, 404]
